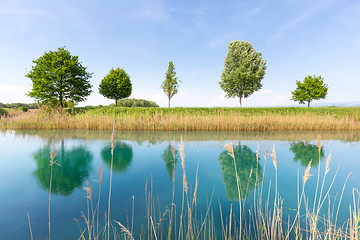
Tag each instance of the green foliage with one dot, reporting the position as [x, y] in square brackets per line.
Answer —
[170, 156]
[19, 105]
[75, 166]
[24, 109]
[3, 113]
[69, 104]
[132, 102]
[123, 154]
[116, 85]
[59, 76]
[313, 88]
[243, 71]
[246, 162]
[170, 86]
[306, 152]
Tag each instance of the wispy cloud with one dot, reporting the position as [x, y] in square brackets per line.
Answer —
[19, 19]
[302, 16]
[152, 10]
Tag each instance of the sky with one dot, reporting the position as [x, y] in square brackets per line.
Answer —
[296, 38]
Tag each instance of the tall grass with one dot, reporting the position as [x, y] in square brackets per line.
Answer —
[192, 119]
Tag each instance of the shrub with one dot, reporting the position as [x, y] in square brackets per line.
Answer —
[3, 113]
[24, 109]
[132, 102]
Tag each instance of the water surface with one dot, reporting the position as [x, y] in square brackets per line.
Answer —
[145, 157]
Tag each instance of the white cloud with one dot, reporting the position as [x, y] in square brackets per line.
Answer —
[13, 93]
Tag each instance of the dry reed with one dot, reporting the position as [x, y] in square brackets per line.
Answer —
[189, 120]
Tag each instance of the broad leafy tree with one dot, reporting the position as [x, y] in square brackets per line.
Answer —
[243, 71]
[58, 77]
[171, 84]
[248, 170]
[312, 88]
[116, 85]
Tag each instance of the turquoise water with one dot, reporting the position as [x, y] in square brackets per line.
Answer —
[141, 157]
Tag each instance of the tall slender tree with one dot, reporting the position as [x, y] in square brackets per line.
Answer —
[170, 86]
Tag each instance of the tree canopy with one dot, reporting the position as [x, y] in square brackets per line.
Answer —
[171, 84]
[116, 85]
[243, 71]
[57, 77]
[312, 88]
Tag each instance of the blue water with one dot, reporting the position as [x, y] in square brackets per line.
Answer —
[141, 157]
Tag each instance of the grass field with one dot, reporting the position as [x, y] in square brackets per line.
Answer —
[189, 119]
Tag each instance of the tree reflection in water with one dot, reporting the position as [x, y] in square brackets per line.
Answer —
[123, 154]
[170, 157]
[306, 152]
[75, 165]
[246, 163]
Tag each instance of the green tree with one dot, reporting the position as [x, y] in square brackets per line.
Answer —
[57, 77]
[123, 154]
[313, 88]
[170, 86]
[116, 85]
[75, 166]
[243, 71]
[170, 157]
[246, 163]
[306, 152]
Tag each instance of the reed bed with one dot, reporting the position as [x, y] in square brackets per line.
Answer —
[192, 119]
[261, 217]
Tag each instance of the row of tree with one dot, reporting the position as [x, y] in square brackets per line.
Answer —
[57, 76]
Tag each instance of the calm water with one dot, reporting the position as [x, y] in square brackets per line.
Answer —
[142, 156]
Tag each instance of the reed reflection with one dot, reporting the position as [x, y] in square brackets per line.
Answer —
[75, 166]
[123, 155]
[306, 152]
[248, 169]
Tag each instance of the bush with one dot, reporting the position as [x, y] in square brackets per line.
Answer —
[3, 113]
[24, 109]
[132, 102]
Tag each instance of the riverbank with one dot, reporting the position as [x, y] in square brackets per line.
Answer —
[190, 119]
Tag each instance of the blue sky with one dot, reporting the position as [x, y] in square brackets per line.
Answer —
[296, 38]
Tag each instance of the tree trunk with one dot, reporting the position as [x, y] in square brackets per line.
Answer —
[169, 102]
[115, 102]
[309, 104]
[61, 102]
[240, 102]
